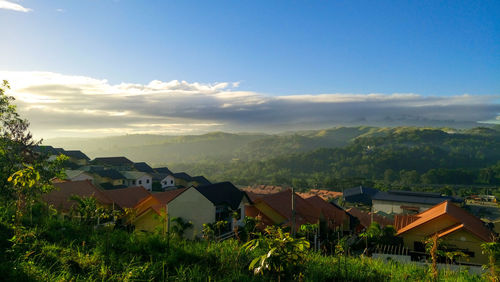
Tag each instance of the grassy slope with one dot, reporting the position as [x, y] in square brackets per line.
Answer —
[64, 251]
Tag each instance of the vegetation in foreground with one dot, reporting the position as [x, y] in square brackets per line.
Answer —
[54, 249]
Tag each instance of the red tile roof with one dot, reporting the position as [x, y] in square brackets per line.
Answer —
[128, 197]
[332, 214]
[461, 217]
[365, 218]
[167, 196]
[282, 203]
[60, 197]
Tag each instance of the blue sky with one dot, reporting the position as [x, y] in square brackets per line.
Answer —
[274, 48]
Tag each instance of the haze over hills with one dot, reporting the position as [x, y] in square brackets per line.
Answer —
[224, 147]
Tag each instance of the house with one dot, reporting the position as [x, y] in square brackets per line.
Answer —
[121, 163]
[163, 170]
[139, 178]
[76, 156]
[276, 209]
[326, 195]
[226, 199]
[143, 167]
[190, 205]
[60, 197]
[366, 218]
[78, 175]
[181, 179]
[359, 195]
[335, 217]
[199, 180]
[161, 181]
[398, 202]
[109, 178]
[459, 230]
[143, 211]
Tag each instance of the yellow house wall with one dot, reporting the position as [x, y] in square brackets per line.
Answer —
[269, 212]
[149, 221]
[472, 243]
[465, 240]
[192, 206]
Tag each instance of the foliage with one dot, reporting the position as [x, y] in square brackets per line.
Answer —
[284, 255]
[90, 212]
[492, 250]
[180, 226]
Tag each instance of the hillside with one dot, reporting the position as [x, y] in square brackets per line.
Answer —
[160, 149]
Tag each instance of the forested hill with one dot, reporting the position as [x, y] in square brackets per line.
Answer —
[388, 157]
[336, 157]
[160, 149]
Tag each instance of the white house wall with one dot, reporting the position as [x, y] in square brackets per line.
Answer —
[192, 206]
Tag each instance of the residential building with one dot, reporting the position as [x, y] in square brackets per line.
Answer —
[138, 178]
[276, 209]
[60, 197]
[142, 210]
[458, 229]
[366, 218]
[190, 205]
[359, 195]
[226, 199]
[109, 178]
[120, 163]
[78, 175]
[398, 202]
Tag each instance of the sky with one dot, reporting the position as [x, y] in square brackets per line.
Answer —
[111, 67]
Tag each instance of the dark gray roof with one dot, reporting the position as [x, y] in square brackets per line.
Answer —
[414, 197]
[143, 167]
[359, 194]
[163, 170]
[159, 176]
[201, 180]
[48, 150]
[109, 173]
[222, 193]
[113, 161]
[182, 175]
[76, 154]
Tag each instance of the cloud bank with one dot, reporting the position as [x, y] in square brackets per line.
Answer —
[69, 105]
[7, 5]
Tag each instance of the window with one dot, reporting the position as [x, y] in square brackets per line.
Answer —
[147, 180]
[140, 181]
[171, 182]
[133, 182]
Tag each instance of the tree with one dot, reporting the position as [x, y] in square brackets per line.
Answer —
[24, 174]
[492, 250]
[180, 226]
[283, 253]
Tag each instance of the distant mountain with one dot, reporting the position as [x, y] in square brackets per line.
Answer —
[220, 146]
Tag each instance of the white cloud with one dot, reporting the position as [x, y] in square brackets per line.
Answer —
[58, 104]
[7, 5]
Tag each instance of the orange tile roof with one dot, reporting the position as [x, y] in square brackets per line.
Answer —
[450, 230]
[471, 223]
[324, 194]
[264, 189]
[401, 220]
[365, 218]
[167, 196]
[128, 197]
[60, 197]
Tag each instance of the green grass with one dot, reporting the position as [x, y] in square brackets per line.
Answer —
[63, 251]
